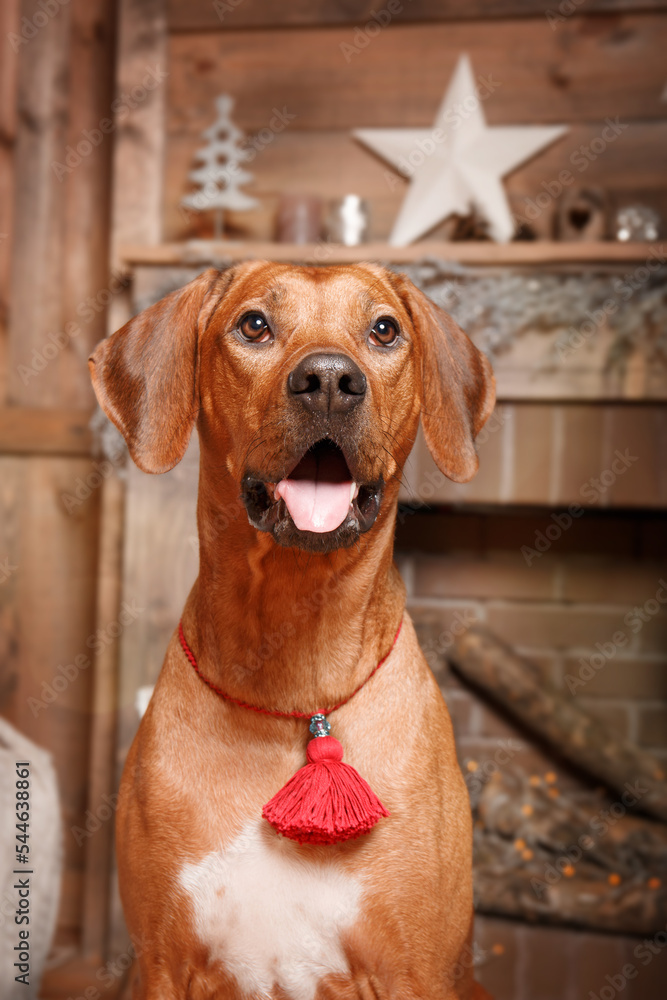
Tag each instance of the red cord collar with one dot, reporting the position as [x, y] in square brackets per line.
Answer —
[274, 711]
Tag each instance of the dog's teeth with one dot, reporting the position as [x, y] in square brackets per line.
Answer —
[354, 489]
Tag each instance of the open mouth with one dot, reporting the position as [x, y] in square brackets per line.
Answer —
[318, 497]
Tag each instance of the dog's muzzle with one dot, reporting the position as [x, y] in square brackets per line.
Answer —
[318, 501]
[318, 506]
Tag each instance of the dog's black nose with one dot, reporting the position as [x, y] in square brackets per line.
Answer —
[327, 383]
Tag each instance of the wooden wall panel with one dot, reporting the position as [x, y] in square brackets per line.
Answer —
[590, 68]
[160, 565]
[102, 776]
[60, 281]
[9, 22]
[139, 150]
[192, 15]
[47, 605]
[86, 188]
[139, 147]
[39, 216]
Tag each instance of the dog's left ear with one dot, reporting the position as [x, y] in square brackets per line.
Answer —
[146, 376]
[459, 390]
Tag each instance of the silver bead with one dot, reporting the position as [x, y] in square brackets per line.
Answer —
[319, 725]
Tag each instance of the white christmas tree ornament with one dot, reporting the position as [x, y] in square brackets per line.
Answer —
[457, 165]
[219, 174]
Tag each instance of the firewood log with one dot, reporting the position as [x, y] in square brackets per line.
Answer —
[486, 662]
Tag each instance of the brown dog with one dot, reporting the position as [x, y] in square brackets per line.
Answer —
[307, 385]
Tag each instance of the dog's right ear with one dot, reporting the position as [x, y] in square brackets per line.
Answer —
[146, 375]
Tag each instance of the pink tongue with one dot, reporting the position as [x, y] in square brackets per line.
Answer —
[315, 506]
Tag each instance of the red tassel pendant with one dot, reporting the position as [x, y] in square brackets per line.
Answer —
[326, 801]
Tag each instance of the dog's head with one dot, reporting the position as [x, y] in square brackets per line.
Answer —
[308, 384]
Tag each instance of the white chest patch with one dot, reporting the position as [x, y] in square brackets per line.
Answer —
[270, 914]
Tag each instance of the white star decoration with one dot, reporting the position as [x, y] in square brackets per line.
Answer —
[459, 163]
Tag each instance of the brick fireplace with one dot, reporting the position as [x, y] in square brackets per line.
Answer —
[591, 613]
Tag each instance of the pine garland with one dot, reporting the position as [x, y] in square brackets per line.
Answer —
[497, 307]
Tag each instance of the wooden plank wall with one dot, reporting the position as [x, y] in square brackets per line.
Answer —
[56, 86]
[320, 63]
[187, 16]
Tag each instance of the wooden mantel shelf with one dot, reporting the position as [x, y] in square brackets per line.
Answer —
[537, 252]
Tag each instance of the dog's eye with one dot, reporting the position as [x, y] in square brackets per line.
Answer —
[384, 333]
[253, 327]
